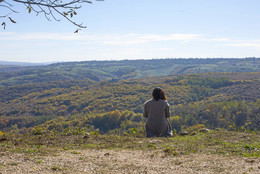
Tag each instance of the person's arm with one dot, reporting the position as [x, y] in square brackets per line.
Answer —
[145, 114]
[167, 111]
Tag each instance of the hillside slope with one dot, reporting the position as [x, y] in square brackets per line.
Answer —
[125, 69]
[216, 100]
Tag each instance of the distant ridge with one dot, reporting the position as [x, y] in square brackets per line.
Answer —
[24, 63]
[22, 73]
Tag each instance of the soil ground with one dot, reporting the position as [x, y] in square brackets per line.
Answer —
[126, 161]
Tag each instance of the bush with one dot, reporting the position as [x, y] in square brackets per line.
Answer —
[195, 128]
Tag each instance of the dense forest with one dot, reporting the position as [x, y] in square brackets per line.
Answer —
[213, 100]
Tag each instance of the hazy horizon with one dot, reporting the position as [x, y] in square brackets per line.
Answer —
[23, 62]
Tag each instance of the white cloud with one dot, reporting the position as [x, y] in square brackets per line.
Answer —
[124, 39]
[244, 43]
[146, 38]
[41, 36]
[220, 39]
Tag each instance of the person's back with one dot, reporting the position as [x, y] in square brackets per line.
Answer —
[157, 111]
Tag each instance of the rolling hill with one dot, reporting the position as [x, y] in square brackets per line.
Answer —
[216, 100]
[124, 69]
[87, 116]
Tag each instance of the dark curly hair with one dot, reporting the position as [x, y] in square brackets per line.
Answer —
[158, 93]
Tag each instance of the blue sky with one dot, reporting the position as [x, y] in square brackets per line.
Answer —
[135, 29]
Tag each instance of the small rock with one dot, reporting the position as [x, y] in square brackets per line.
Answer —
[204, 130]
[155, 141]
[184, 133]
[106, 154]
[86, 135]
[244, 136]
[250, 160]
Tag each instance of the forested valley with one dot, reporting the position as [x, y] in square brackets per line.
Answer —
[228, 100]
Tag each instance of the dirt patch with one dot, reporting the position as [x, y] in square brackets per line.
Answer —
[126, 161]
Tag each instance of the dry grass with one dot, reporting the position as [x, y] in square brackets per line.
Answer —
[126, 161]
[213, 152]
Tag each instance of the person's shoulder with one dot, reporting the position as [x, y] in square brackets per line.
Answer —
[148, 101]
[164, 102]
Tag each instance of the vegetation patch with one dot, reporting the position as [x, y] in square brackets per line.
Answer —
[170, 151]
[214, 142]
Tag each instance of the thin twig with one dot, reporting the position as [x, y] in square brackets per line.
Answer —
[50, 7]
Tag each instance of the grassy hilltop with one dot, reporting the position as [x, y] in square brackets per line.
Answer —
[213, 152]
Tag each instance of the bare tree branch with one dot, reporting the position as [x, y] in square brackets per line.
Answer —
[8, 6]
[62, 14]
[49, 8]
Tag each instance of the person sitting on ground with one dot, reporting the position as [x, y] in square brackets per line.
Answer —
[157, 110]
